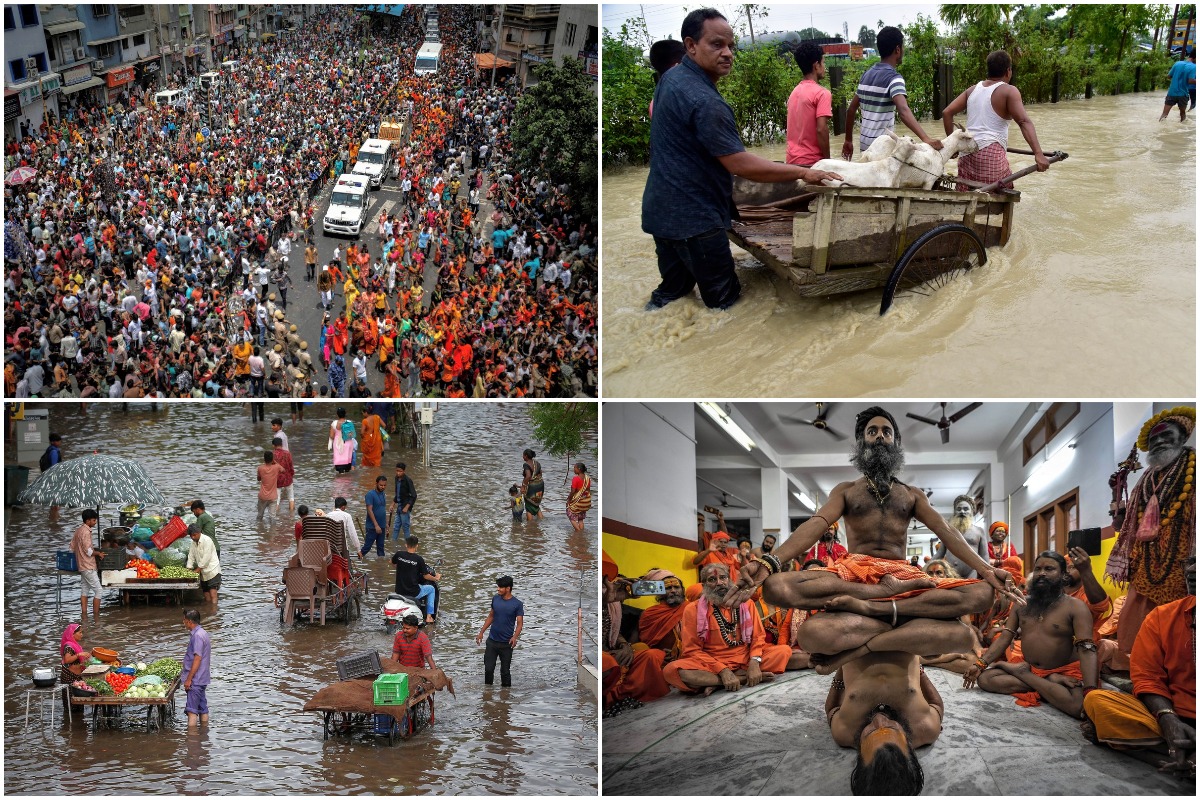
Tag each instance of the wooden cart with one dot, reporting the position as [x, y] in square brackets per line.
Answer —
[830, 240]
[357, 713]
[107, 709]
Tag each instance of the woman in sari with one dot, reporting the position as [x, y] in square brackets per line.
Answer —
[343, 445]
[372, 439]
[581, 497]
[70, 647]
[532, 485]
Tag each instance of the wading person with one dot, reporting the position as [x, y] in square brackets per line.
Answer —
[268, 486]
[1183, 81]
[724, 647]
[196, 666]
[881, 95]
[581, 497]
[990, 105]
[402, 502]
[411, 646]
[1058, 654]
[809, 109]
[287, 475]
[695, 148]
[376, 529]
[873, 579]
[85, 562]
[532, 484]
[203, 557]
[208, 525]
[505, 618]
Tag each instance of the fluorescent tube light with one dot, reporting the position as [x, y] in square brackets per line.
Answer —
[728, 425]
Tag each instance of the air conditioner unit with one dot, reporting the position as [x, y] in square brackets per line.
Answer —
[80, 53]
[31, 67]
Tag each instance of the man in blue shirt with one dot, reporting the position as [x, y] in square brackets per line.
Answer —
[694, 147]
[505, 618]
[196, 672]
[1183, 78]
[376, 502]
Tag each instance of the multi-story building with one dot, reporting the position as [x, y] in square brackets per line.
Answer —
[26, 64]
[69, 57]
[534, 34]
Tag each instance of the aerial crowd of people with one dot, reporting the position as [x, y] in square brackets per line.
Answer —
[147, 259]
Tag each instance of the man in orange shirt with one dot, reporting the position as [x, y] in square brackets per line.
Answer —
[723, 647]
[1158, 724]
[627, 673]
[809, 109]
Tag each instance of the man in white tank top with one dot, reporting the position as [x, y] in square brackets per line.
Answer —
[990, 104]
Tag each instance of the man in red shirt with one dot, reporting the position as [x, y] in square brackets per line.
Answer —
[411, 646]
[288, 475]
[809, 109]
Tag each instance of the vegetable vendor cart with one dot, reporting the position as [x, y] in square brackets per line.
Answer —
[107, 710]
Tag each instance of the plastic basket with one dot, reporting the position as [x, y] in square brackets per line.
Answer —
[384, 723]
[169, 533]
[65, 560]
[391, 690]
[362, 665]
[113, 560]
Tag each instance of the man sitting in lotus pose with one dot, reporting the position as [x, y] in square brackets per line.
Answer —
[874, 583]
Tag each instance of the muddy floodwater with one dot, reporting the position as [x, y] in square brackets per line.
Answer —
[1093, 296]
[537, 737]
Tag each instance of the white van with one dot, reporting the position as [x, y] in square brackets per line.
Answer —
[208, 79]
[376, 160]
[347, 210]
[171, 98]
[427, 58]
[229, 66]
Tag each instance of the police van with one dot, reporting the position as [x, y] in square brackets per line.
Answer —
[376, 160]
[171, 98]
[347, 210]
[427, 58]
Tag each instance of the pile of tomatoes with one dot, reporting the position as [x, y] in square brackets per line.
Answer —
[145, 569]
[118, 681]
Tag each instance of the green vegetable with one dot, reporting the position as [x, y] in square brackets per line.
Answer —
[100, 685]
[172, 571]
[166, 668]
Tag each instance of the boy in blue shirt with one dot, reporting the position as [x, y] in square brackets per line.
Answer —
[1183, 78]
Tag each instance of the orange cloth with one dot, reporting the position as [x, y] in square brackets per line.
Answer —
[643, 680]
[1100, 611]
[693, 592]
[660, 626]
[1121, 719]
[728, 557]
[1031, 699]
[371, 441]
[714, 655]
[1162, 662]
[609, 568]
[858, 568]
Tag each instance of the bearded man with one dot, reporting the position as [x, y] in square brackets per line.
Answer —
[1057, 661]
[963, 521]
[999, 546]
[768, 545]
[723, 647]
[874, 581]
[828, 550]
[1159, 530]
[661, 625]
[627, 673]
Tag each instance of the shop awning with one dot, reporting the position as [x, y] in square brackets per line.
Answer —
[487, 60]
[79, 87]
[105, 40]
[268, 36]
[64, 27]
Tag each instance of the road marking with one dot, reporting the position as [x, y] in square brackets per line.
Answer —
[373, 225]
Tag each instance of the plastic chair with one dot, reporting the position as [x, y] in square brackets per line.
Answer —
[317, 556]
[301, 586]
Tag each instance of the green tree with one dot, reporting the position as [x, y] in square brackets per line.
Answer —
[564, 429]
[757, 89]
[813, 33]
[866, 37]
[628, 88]
[554, 130]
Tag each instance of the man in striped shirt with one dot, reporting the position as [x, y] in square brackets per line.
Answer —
[881, 94]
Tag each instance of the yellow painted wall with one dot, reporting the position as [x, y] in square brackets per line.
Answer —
[637, 558]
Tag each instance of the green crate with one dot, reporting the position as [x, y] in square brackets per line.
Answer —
[391, 690]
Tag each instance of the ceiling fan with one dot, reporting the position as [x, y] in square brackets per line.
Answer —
[819, 423]
[724, 495]
[945, 422]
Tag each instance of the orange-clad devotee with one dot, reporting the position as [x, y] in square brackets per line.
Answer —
[1158, 723]
[719, 552]
[661, 625]
[628, 674]
[723, 647]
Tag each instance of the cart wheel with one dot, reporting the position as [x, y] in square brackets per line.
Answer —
[937, 257]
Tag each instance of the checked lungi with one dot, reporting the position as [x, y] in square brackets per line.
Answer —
[985, 166]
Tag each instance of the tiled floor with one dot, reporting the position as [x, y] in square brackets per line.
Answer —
[773, 740]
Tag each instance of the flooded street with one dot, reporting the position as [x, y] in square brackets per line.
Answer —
[537, 737]
[1103, 251]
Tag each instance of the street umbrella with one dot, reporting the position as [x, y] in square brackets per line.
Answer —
[20, 175]
[89, 481]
